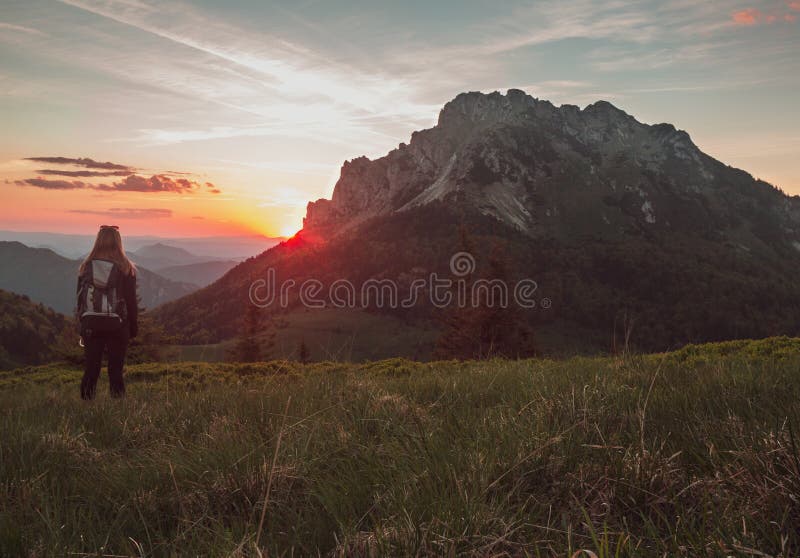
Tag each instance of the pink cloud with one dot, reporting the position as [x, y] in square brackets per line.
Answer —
[156, 183]
[754, 16]
[53, 184]
[750, 16]
[131, 183]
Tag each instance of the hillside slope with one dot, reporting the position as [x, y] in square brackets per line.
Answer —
[29, 332]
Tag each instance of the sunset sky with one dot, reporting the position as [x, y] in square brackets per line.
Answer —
[214, 118]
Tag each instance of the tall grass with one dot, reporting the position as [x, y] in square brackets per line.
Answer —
[685, 454]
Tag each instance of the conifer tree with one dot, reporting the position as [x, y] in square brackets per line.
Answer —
[151, 338]
[458, 321]
[484, 328]
[503, 330]
[303, 354]
[248, 347]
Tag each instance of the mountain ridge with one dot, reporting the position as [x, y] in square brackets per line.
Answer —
[514, 156]
[610, 216]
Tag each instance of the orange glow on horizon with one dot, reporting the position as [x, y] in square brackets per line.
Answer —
[234, 209]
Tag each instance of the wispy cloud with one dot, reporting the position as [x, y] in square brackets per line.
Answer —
[156, 183]
[20, 29]
[81, 162]
[276, 88]
[133, 183]
[556, 21]
[287, 166]
[754, 16]
[52, 184]
[170, 181]
[750, 16]
[82, 174]
[284, 196]
[289, 87]
[127, 213]
[615, 59]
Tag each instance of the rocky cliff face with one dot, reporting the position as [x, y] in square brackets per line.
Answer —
[562, 172]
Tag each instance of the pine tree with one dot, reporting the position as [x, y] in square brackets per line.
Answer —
[458, 322]
[248, 347]
[484, 330]
[151, 338]
[256, 339]
[504, 331]
[303, 354]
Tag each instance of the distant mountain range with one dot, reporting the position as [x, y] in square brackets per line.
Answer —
[74, 246]
[200, 274]
[159, 255]
[181, 265]
[46, 277]
[617, 221]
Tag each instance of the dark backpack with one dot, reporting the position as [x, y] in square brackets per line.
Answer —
[101, 304]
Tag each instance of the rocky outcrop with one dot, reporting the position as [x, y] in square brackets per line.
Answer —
[561, 172]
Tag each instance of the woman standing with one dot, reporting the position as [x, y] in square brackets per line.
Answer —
[107, 310]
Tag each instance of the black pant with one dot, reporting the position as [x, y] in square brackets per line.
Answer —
[117, 344]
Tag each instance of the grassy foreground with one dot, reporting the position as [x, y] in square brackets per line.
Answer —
[685, 454]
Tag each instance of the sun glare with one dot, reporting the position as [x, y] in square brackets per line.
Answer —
[289, 231]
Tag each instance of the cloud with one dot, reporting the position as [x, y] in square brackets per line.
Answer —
[81, 162]
[288, 166]
[289, 89]
[127, 213]
[54, 184]
[753, 16]
[284, 196]
[82, 174]
[21, 29]
[565, 83]
[156, 183]
[169, 181]
[613, 59]
[132, 183]
[750, 16]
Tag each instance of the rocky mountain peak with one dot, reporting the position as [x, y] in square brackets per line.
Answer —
[558, 172]
[605, 108]
[477, 108]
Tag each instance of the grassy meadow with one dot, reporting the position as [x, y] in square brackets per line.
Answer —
[691, 453]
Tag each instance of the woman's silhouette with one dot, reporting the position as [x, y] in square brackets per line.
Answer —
[107, 310]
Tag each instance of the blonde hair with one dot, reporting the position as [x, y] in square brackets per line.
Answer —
[108, 246]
